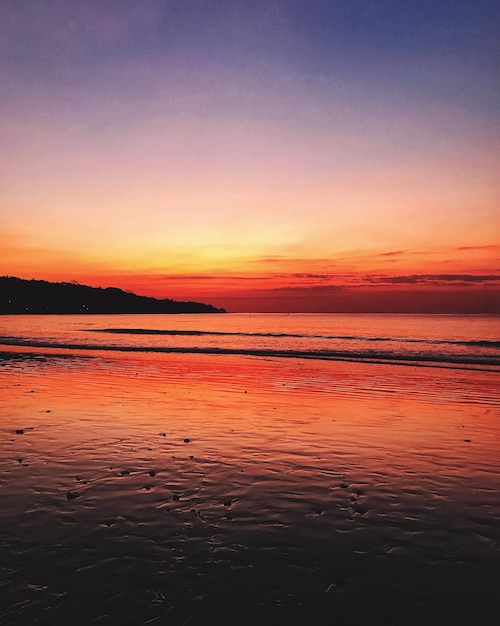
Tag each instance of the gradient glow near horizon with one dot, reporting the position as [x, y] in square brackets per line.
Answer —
[256, 155]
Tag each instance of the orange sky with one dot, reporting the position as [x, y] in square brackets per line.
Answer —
[268, 159]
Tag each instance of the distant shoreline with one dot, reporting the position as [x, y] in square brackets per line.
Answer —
[40, 297]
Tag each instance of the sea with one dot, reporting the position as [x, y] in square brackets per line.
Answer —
[436, 340]
[249, 468]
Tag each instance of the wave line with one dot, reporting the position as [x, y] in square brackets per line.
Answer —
[438, 360]
[196, 333]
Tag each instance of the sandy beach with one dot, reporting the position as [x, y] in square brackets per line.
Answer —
[193, 489]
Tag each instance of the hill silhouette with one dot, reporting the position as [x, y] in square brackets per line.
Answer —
[19, 296]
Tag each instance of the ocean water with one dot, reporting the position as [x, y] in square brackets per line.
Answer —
[281, 469]
[451, 340]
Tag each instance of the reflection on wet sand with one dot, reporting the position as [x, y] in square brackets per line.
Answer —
[187, 489]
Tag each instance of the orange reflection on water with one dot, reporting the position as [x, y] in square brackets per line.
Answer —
[336, 479]
[420, 417]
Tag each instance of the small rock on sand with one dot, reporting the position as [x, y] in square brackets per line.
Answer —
[187, 440]
[20, 431]
[71, 495]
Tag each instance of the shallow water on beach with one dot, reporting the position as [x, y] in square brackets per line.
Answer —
[197, 489]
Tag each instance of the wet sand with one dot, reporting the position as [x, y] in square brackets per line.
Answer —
[192, 489]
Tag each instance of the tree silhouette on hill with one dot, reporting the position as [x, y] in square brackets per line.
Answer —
[19, 296]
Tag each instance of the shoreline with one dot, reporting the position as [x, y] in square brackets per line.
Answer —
[76, 350]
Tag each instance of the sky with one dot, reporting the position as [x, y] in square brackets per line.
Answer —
[277, 155]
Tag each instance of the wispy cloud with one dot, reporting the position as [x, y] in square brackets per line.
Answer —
[485, 247]
[393, 253]
[435, 279]
[314, 276]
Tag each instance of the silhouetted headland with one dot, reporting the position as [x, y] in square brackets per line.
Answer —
[18, 296]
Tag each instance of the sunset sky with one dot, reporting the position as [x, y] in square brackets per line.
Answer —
[260, 155]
